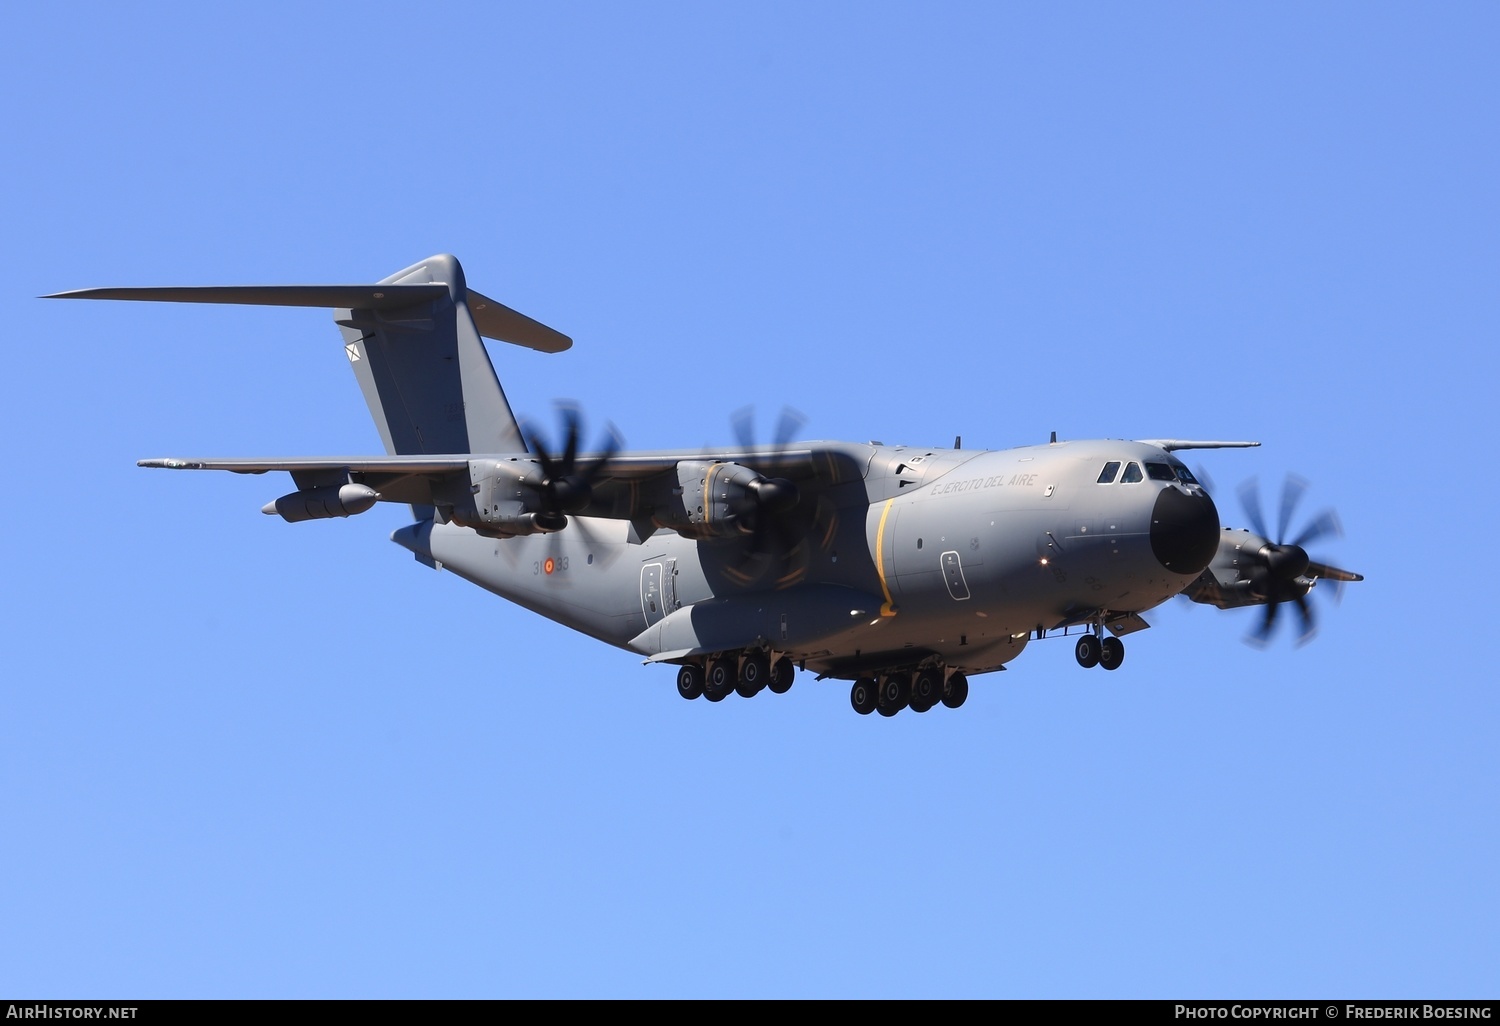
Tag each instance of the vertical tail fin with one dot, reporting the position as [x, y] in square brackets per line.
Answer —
[424, 372]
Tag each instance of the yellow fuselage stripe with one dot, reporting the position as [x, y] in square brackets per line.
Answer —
[889, 609]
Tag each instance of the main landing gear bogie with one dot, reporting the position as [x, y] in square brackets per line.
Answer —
[782, 674]
[722, 677]
[755, 673]
[745, 674]
[919, 692]
[749, 673]
[690, 681]
[1092, 650]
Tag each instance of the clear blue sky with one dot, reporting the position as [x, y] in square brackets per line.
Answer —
[245, 758]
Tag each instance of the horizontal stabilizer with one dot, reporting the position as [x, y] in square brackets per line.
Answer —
[493, 320]
[501, 323]
[332, 297]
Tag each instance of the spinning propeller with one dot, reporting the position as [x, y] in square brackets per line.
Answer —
[567, 486]
[1283, 571]
[779, 518]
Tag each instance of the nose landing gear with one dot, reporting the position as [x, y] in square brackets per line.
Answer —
[1087, 651]
[1093, 650]
[1112, 653]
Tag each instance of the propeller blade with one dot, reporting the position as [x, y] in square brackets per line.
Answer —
[1327, 524]
[580, 528]
[1262, 634]
[779, 519]
[791, 422]
[572, 419]
[549, 469]
[826, 522]
[793, 567]
[1309, 623]
[1292, 490]
[565, 485]
[1250, 500]
[742, 421]
[613, 443]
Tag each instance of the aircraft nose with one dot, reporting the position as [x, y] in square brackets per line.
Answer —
[1184, 530]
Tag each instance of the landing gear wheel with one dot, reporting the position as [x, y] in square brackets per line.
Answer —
[1088, 651]
[755, 671]
[895, 693]
[721, 680]
[926, 690]
[690, 681]
[782, 672]
[956, 690]
[862, 696]
[1112, 653]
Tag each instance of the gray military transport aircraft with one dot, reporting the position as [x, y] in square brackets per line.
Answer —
[904, 569]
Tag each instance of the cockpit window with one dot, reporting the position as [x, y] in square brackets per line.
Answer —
[1184, 475]
[1107, 475]
[1132, 474]
[1160, 472]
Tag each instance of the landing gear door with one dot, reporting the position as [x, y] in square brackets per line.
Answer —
[652, 605]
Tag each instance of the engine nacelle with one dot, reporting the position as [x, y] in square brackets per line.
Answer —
[710, 499]
[343, 500]
[501, 500]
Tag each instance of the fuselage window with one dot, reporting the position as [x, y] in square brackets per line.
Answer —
[1107, 475]
[1160, 472]
[1185, 476]
[1132, 474]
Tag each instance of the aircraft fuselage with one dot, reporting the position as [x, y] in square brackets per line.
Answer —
[942, 555]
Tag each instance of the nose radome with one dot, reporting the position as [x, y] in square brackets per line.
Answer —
[1184, 530]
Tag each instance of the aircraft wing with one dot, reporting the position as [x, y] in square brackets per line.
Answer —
[313, 464]
[621, 467]
[408, 479]
[425, 480]
[1173, 444]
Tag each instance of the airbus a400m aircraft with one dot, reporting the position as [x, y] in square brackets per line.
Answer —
[903, 569]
